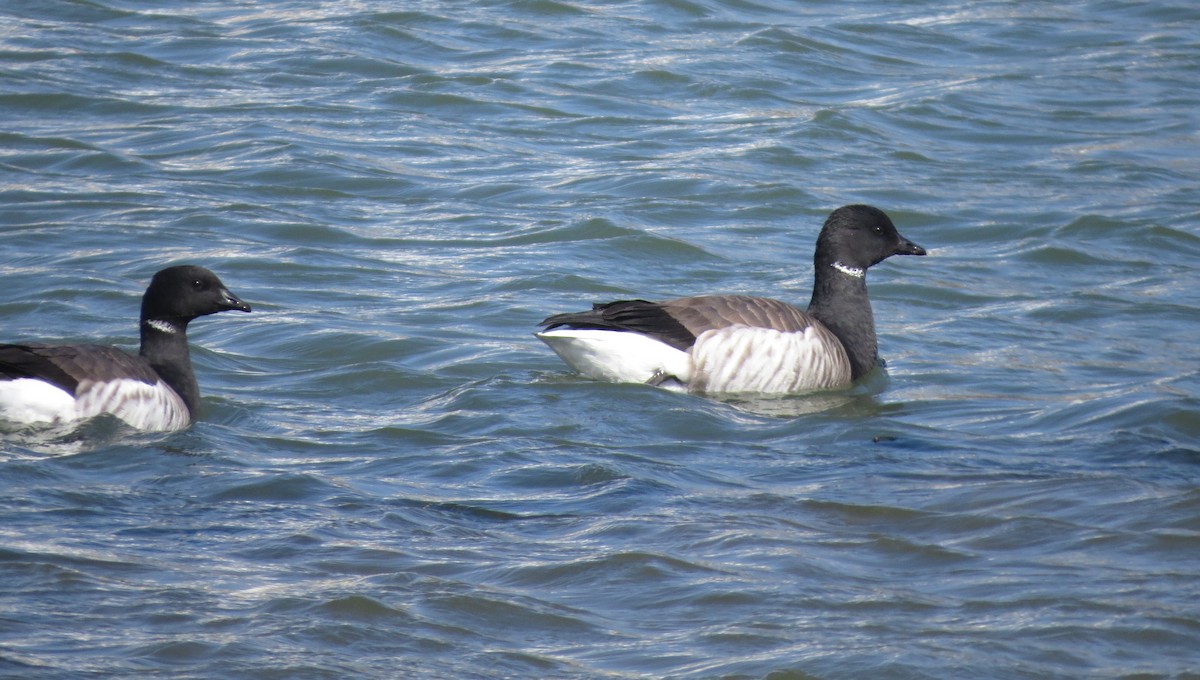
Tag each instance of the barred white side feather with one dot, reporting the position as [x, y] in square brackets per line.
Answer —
[764, 360]
[141, 405]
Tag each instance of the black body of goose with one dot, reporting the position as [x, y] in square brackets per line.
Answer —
[156, 390]
[738, 343]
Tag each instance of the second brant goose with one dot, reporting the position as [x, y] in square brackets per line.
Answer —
[156, 390]
[738, 343]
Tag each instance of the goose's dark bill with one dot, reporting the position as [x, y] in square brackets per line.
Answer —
[906, 247]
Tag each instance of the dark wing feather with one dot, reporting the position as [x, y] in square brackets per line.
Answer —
[67, 365]
[634, 316]
[710, 312]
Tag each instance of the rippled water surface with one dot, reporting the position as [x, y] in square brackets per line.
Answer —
[393, 478]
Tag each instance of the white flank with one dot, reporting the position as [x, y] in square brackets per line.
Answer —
[617, 356]
[763, 360]
[27, 401]
[145, 407]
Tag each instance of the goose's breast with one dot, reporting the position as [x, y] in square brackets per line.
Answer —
[764, 360]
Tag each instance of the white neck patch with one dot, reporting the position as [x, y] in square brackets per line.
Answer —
[162, 326]
[856, 272]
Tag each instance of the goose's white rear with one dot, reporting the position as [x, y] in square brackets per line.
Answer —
[616, 356]
[28, 401]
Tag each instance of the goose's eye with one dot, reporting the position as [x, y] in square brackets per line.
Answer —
[198, 284]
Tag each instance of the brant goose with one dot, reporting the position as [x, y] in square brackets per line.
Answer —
[56, 384]
[737, 343]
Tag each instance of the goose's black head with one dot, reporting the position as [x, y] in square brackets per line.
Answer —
[180, 294]
[858, 236]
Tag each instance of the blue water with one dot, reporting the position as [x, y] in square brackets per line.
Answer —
[393, 478]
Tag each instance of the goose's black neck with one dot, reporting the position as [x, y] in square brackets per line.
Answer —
[165, 348]
[840, 302]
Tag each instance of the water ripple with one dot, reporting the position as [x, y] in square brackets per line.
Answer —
[392, 476]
